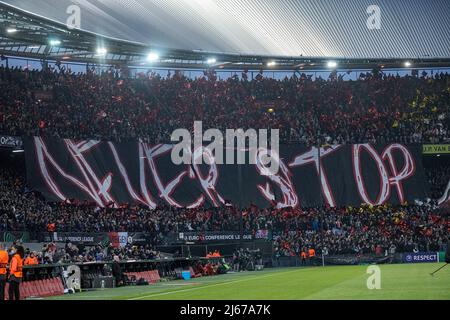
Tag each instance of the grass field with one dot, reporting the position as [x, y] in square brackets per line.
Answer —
[400, 281]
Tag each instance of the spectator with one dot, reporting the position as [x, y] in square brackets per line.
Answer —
[375, 108]
[31, 260]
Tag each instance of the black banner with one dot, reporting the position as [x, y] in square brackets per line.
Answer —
[11, 236]
[214, 236]
[77, 237]
[108, 173]
[10, 142]
[116, 238]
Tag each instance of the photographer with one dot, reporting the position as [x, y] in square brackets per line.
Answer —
[236, 260]
[117, 272]
[222, 267]
[258, 257]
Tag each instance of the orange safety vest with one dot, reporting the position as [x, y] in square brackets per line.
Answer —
[312, 252]
[3, 261]
[31, 261]
[16, 266]
[303, 255]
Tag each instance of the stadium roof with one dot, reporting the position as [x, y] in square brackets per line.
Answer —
[231, 34]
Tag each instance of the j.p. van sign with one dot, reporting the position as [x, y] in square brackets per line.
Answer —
[436, 149]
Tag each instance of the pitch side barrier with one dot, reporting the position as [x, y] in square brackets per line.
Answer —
[58, 279]
[353, 259]
[165, 267]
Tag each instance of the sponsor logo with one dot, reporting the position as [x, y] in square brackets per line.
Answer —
[420, 257]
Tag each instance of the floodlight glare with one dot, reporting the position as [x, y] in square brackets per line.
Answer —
[152, 56]
[407, 64]
[102, 51]
[271, 64]
[332, 64]
[11, 30]
[211, 61]
[55, 42]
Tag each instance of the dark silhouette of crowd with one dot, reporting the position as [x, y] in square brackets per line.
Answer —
[375, 108]
[438, 177]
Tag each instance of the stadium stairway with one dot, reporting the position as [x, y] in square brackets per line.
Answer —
[39, 288]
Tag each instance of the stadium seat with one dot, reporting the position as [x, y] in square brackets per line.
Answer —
[52, 286]
[156, 276]
[25, 289]
[148, 276]
[42, 288]
[60, 286]
[39, 288]
[193, 274]
[6, 291]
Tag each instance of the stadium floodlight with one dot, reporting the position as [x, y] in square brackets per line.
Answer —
[54, 42]
[407, 64]
[211, 61]
[102, 51]
[271, 63]
[11, 30]
[332, 64]
[152, 56]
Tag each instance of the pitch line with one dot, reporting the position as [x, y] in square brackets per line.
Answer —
[212, 285]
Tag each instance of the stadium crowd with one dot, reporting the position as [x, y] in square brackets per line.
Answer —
[438, 178]
[52, 253]
[375, 108]
[362, 229]
[22, 209]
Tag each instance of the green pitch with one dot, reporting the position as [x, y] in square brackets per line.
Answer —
[400, 281]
